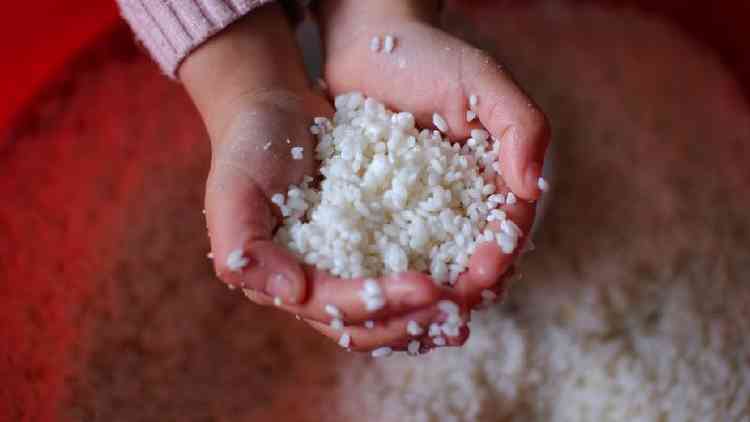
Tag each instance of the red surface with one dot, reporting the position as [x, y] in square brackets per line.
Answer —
[36, 40]
[39, 36]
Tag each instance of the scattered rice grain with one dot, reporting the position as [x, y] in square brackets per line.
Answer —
[236, 260]
[382, 352]
[375, 44]
[414, 329]
[542, 184]
[333, 311]
[439, 123]
[345, 340]
[337, 324]
[389, 44]
[473, 101]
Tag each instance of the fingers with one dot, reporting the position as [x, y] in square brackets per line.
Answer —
[397, 333]
[354, 301]
[489, 266]
[512, 117]
[241, 224]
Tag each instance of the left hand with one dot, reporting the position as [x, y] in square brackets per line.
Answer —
[429, 71]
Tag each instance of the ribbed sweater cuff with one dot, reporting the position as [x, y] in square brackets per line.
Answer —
[171, 29]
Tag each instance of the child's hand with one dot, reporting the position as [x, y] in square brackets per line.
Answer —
[431, 71]
[250, 88]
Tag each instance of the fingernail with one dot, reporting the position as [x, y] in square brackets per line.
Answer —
[279, 285]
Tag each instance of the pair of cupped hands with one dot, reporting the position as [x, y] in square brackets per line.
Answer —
[250, 87]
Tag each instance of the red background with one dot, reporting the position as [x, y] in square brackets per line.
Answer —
[39, 36]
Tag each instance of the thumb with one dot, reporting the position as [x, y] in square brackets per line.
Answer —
[241, 224]
[514, 119]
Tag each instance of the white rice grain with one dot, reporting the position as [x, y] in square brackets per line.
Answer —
[542, 184]
[236, 260]
[511, 228]
[480, 135]
[382, 352]
[473, 101]
[439, 123]
[337, 324]
[278, 199]
[414, 329]
[345, 340]
[375, 44]
[372, 295]
[298, 153]
[389, 44]
[470, 116]
[333, 311]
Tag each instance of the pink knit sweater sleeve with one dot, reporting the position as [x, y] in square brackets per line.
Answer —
[171, 29]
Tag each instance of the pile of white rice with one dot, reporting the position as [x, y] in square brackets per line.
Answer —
[394, 198]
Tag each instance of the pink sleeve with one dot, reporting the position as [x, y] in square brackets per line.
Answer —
[171, 29]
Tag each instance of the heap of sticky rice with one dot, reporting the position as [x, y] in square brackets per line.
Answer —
[394, 198]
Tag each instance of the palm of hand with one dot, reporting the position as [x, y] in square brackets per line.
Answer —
[252, 162]
[430, 72]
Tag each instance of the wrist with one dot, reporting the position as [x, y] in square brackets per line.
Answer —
[256, 54]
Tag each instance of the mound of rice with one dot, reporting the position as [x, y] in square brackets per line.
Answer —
[393, 197]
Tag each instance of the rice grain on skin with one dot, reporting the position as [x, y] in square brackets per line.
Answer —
[470, 116]
[382, 352]
[369, 325]
[439, 122]
[333, 311]
[473, 101]
[389, 43]
[375, 44]
[298, 153]
[345, 340]
[542, 184]
[277, 301]
[372, 295]
[414, 329]
[337, 324]
[277, 199]
[236, 260]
